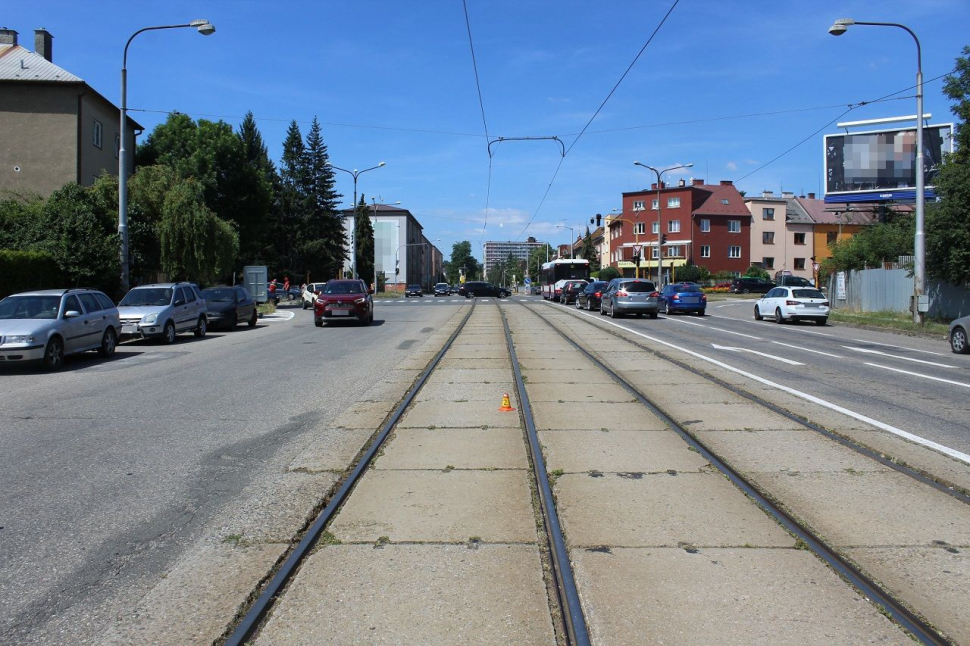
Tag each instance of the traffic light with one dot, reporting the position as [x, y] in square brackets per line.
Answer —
[397, 266]
[599, 220]
[663, 238]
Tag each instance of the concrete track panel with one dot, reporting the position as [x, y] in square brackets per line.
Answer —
[454, 448]
[618, 451]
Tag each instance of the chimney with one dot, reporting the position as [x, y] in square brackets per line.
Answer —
[787, 195]
[696, 182]
[8, 36]
[811, 196]
[653, 187]
[681, 183]
[767, 193]
[726, 182]
[43, 43]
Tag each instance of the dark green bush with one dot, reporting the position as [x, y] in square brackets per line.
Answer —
[21, 271]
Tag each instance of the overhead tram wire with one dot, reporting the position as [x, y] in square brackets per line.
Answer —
[481, 104]
[595, 114]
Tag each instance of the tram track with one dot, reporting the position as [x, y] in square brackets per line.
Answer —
[869, 588]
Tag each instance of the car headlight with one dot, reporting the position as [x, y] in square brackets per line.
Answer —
[19, 338]
[360, 300]
[151, 319]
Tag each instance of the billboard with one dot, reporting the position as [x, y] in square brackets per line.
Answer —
[880, 165]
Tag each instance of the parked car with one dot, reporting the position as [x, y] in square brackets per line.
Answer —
[163, 310]
[442, 289]
[413, 290]
[786, 280]
[683, 297]
[793, 304]
[476, 288]
[570, 290]
[344, 299]
[591, 295]
[229, 306]
[748, 285]
[630, 296]
[47, 325]
[310, 293]
[958, 335]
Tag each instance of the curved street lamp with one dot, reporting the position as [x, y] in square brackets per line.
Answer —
[205, 28]
[353, 245]
[919, 244]
[660, 255]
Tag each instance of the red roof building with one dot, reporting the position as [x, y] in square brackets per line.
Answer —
[706, 224]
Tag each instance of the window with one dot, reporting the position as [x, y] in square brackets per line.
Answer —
[673, 226]
[71, 304]
[734, 251]
[768, 237]
[639, 228]
[725, 201]
[654, 252]
[799, 263]
[673, 202]
[705, 251]
[638, 205]
[799, 238]
[655, 227]
[90, 303]
[106, 303]
[831, 237]
[734, 226]
[674, 251]
[705, 226]
[96, 133]
[653, 204]
[189, 295]
[768, 214]
[769, 263]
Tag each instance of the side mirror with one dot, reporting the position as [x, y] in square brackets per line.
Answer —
[70, 314]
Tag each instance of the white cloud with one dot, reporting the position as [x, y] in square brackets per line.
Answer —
[731, 166]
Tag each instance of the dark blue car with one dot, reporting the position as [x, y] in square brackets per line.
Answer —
[683, 297]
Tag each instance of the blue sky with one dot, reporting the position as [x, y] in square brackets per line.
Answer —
[393, 82]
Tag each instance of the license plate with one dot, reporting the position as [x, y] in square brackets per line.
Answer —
[691, 299]
[129, 329]
[811, 304]
[340, 312]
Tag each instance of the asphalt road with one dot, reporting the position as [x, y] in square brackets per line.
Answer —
[911, 383]
[109, 469]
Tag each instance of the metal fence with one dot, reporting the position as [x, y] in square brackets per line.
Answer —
[891, 290]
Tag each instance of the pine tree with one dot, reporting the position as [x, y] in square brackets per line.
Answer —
[292, 198]
[323, 239]
[364, 241]
[588, 252]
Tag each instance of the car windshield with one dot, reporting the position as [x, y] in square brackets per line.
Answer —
[686, 288]
[349, 287]
[441, 286]
[218, 295]
[637, 286]
[807, 293]
[144, 296]
[30, 307]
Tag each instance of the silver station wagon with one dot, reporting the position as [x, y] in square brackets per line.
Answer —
[163, 310]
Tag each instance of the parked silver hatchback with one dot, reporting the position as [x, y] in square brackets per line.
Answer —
[163, 310]
[47, 325]
[630, 296]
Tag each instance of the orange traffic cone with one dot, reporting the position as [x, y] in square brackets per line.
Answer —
[506, 403]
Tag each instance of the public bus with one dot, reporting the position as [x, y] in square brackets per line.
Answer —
[554, 274]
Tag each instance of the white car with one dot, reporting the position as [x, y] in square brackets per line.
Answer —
[793, 304]
[311, 292]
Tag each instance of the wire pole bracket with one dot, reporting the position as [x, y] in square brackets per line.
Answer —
[562, 146]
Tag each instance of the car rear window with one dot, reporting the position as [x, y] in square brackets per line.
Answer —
[807, 293]
[686, 288]
[637, 286]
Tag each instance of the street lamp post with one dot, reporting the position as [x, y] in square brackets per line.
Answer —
[205, 28]
[571, 237]
[660, 255]
[919, 244]
[353, 243]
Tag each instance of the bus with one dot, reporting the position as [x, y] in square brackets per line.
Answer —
[555, 273]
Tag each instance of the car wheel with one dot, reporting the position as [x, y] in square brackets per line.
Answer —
[701, 312]
[470, 295]
[54, 354]
[757, 314]
[318, 322]
[821, 321]
[958, 341]
[589, 306]
[666, 309]
[168, 334]
[201, 327]
[304, 305]
[252, 319]
[613, 314]
[602, 309]
[653, 315]
[745, 291]
[108, 343]
[778, 317]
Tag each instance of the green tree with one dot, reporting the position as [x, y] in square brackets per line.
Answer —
[872, 246]
[322, 239]
[609, 273]
[462, 259]
[292, 198]
[948, 221]
[364, 241]
[537, 258]
[588, 251]
[195, 243]
[754, 271]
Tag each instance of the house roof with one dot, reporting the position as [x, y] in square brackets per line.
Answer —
[711, 199]
[795, 213]
[19, 64]
[822, 213]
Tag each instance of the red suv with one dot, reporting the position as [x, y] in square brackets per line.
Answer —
[344, 299]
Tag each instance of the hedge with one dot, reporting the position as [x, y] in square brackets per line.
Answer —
[25, 270]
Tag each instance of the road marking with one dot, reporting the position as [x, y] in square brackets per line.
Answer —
[901, 347]
[760, 354]
[784, 327]
[953, 453]
[918, 374]
[278, 317]
[798, 347]
[896, 356]
[747, 336]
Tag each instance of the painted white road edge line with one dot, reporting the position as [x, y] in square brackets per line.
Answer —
[953, 453]
[901, 347]
[918, 374]
[798, 347]
[278, 317]
[896, 356]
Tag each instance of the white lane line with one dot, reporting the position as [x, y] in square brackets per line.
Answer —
[278, 317]
[785, 327]
[670, 318]
[897, 356]
[747, 336]
[901, 347]
[798, 347]
[953, 453]
[918, 374]
[760, 354]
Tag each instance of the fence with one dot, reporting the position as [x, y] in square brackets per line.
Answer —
[891, 290]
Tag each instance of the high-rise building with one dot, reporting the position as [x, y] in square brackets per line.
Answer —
[494, 252]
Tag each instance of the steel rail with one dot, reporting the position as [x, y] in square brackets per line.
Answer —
[253, 619]
[575, 623]
[867, 587]
[847, 443]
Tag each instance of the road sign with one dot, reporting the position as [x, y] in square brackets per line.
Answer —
[815, 267]
[527, 281]
[637, 249]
